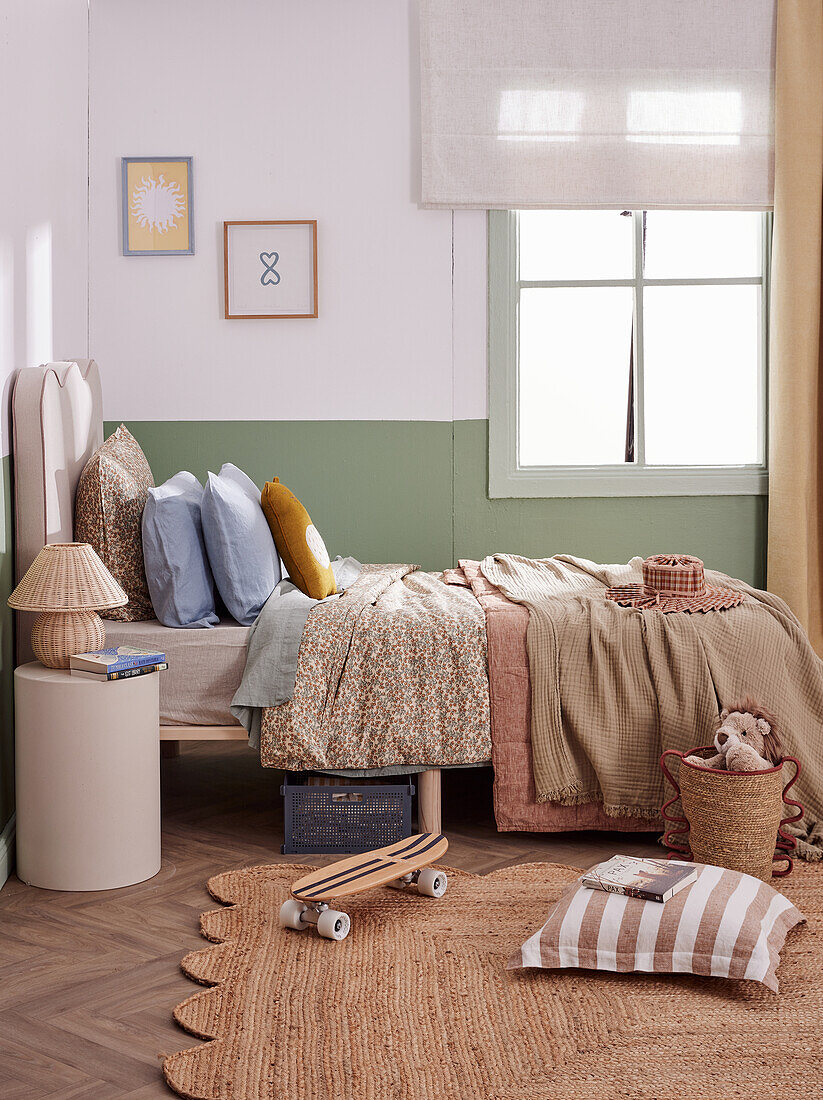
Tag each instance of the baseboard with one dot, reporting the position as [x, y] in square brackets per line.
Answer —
[7, 849]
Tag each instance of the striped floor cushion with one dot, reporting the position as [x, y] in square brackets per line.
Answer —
[725, 925]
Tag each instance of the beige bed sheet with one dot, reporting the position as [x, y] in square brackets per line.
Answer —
[205, 668]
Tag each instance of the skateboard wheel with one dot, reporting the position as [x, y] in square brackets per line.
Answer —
[291, 914]
[432, 883]
[333, 925]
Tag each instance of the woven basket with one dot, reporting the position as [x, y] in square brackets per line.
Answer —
[731, 819]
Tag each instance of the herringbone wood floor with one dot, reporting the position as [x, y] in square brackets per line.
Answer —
[88, 981]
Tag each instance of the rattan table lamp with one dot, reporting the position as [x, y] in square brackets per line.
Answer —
[68, 584]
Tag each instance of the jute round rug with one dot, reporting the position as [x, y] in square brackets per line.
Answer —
[416, 1005]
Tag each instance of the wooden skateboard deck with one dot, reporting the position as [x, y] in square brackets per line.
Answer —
[369, 869]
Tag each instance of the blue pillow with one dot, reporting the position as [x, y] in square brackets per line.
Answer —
[177, 570]
[239, 543]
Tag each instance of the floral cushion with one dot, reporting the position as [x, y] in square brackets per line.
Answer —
[108, 511]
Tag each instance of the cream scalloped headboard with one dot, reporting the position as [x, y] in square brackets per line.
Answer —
[57, 416]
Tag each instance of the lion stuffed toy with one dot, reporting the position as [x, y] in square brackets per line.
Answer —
[746, 741]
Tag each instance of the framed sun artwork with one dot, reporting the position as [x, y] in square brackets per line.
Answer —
[270, 269]
[157, 206]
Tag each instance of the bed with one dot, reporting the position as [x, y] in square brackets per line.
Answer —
[57, 426]
[57, 423]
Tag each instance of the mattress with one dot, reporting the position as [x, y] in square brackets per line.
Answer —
[205, 668]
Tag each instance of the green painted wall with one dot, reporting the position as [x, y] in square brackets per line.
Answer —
[417, 491]
[728, 533]
[6, 647]
[380, 490]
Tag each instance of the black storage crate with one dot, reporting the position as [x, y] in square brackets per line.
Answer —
[328, 815]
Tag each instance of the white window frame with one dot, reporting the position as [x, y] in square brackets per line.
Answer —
[508, 479]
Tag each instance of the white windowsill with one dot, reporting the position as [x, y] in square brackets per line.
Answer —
[617, 481]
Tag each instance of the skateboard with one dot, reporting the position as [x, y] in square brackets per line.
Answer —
[399, 865]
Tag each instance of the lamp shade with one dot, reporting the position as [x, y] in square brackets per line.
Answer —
[67, 576]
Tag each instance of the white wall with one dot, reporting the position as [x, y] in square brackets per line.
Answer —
[43, 253]
[43, 186]
[290, 110]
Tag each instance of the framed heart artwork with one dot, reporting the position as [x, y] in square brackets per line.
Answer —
[270, 269]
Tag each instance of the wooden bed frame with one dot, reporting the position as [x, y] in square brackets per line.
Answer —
[57, 412]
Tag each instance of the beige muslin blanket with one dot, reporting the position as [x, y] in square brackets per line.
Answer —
[612, 687]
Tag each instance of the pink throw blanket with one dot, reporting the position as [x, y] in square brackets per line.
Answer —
[515, 807]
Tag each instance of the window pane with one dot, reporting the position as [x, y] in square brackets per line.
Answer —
[700, 365]
[575, 244]
[702, 244]
[575, 347]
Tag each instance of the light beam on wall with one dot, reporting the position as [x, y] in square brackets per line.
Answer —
[39, 295]
[7, 363]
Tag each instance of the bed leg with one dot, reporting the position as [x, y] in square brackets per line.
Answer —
[428, 801]
[169, 749]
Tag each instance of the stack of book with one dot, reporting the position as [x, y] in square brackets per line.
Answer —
[118, 663]
[646, 879]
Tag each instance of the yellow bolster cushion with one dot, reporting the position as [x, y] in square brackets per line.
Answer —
[298, 541]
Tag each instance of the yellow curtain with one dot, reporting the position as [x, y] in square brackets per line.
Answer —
[795, 561]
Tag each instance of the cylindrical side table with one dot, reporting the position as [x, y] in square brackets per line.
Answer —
[88, 779]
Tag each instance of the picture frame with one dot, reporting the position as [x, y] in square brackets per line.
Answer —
[157, 196]
[270, 270]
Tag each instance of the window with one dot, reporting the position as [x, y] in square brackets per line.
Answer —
[627, 352]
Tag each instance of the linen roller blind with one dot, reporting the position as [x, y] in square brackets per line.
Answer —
[639, 104]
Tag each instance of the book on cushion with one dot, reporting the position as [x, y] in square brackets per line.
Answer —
[115, 659]
[647, 879]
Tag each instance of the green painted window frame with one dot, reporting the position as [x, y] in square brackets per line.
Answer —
[508, 479]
